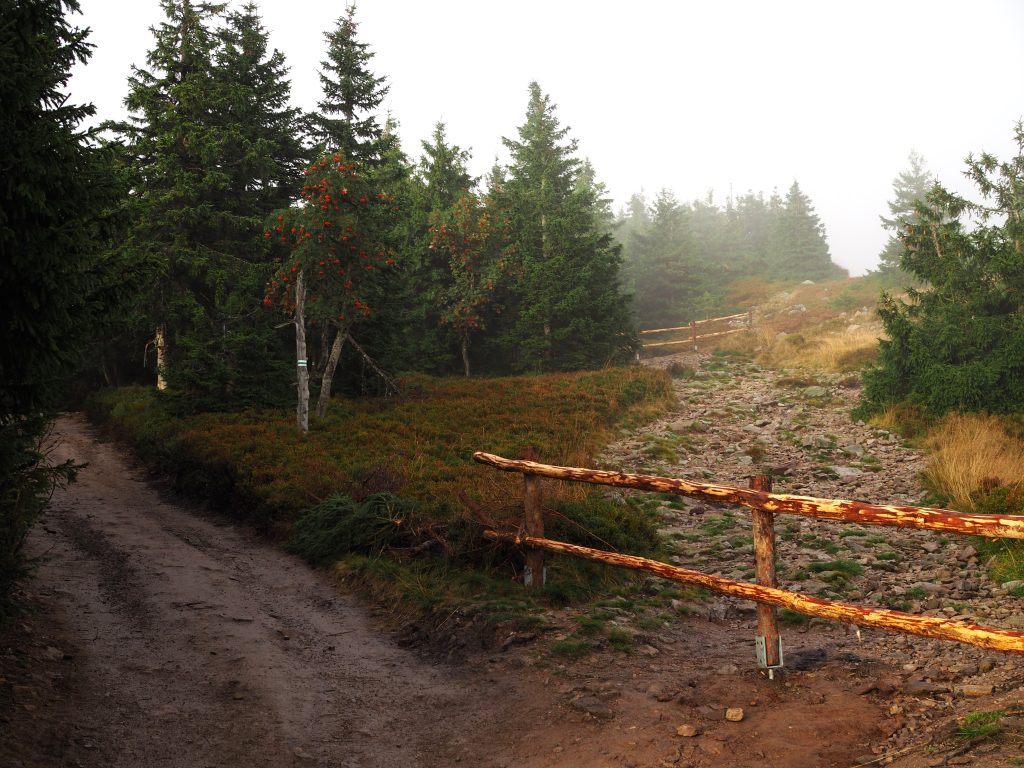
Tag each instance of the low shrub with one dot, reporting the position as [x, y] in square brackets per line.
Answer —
[395, 476]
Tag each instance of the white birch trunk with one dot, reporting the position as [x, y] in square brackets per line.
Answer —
[161, 358]
[301, 363]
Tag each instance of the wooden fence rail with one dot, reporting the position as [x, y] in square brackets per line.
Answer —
[693, 327]
[928, 626]
[997, 526]
[765, 592]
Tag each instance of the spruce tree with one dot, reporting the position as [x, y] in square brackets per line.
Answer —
[346, 120]
[800, 239]
[568, 309]
[211, 141]
[958, 342]
[909, 188]
[665, 282]
[60, 282]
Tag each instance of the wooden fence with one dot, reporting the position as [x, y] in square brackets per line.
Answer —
[699, 325]
[765, 592]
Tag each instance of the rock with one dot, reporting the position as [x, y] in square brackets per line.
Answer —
[814, 391]
[916, 687]
[594, 707]
[1008, 585]
[686, 730]
[734, 714]
[648, 650]
[845, 472]
[966, 553]
[975, 691]
[931, 547]
[1016, 621]
[929, 588]
[820, 441]
[854, 449]
[728, 669]
[518, 638]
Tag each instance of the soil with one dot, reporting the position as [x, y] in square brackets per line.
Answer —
[165, 635]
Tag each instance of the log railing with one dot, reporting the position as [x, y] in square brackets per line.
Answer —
[765, 592]
[699, 325]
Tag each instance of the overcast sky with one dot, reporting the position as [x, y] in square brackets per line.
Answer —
[723, 95]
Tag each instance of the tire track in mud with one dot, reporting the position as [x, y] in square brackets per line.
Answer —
[204, 646]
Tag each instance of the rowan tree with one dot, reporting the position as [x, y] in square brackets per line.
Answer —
[474, 237]
[336, 244]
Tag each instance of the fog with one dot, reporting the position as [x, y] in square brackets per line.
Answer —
[694, 97]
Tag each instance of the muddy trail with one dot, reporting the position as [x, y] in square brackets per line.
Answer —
[167, 636]
[180, 640]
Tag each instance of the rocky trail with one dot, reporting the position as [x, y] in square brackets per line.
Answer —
[736, 419]
[169, 637]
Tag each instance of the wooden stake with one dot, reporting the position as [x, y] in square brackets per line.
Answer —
[764, 564]
[534, 521]
[693, 334]
[926, 626]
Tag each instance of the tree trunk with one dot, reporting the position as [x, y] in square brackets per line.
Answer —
[301, 363]
[161, 357]
[332, 362]
[465, 354]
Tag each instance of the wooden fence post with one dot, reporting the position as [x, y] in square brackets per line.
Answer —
[533, 575]
[750, 318]
[693, 334]
[768, 641]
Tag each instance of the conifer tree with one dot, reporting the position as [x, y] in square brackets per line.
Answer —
[666, 281]
[958, 343]
[211, 142]
[60, 283]
[569, 311]
[346, 120]
[909, 188]
[801, 243]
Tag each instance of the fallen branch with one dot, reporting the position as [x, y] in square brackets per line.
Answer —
[390, 385]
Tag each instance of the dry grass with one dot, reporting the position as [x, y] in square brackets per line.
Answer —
[968, 452]
[822, 350]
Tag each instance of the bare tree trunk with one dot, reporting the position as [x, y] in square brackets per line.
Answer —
[390, 385]
[161, 358]
[325, 339]
[332, 363]
[301, 363]
[465, 354]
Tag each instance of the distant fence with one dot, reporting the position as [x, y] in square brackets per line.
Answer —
[698, 330]
[765, 591]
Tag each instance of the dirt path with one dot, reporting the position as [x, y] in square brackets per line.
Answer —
[189, 643]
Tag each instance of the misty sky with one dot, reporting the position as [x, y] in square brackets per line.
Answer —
[690, 96]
